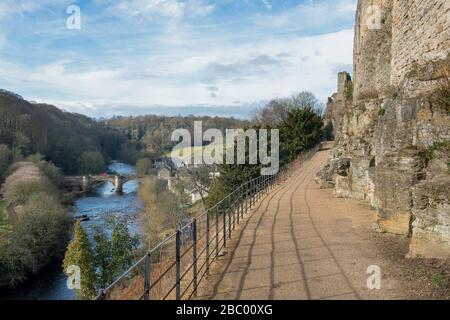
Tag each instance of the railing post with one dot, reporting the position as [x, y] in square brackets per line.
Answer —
[257, 190]
[224, 218]
[208, 213]
[147, 277]
[177, 266]
[217, 230]
[247, 187]
[238, 208]
[242, 202]
[265, 185]
[194, 253]
[249, 194]
[233, 210]
[229, 219]
[261, 186]
[252, 193]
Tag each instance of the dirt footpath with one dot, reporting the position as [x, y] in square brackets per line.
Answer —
[300, 242]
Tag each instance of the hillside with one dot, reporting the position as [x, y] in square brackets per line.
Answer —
[28, 128]
[154, 132]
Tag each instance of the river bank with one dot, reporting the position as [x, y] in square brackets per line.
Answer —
[100, 207]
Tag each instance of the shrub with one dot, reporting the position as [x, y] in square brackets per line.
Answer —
[91, 162]
[20, 192]
[52, 172]
[442, 146]
[144, 166]
[441, 96]
[38, 234]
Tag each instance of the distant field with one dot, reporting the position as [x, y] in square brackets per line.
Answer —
[186, 153]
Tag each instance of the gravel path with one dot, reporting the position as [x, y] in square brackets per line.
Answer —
[300, 242]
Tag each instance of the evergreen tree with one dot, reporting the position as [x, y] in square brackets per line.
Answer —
[300, 131]
[122, 248]
[102, 258]
[79, 253]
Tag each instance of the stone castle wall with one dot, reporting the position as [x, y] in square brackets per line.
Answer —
[372, 50]
[420, 33]
[394, 124]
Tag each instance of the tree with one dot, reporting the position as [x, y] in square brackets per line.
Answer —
[304, 99]
[272, 114]
[91, 162]
[144, 166]
[161, 209]
[5, 159]
[300, 131]
[102, 258]
[201, 181]
[276, 111]
[52, 172]
[37, 233]
[79, 253]
[122, 248]
[129, 152]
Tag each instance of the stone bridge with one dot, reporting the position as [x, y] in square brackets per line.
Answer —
[87, 182]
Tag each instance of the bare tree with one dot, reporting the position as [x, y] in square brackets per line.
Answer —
[276, 111]
[201, 181]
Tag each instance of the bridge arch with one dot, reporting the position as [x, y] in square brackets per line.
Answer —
[88, 181]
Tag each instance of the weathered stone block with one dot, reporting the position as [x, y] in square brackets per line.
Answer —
[431, 211]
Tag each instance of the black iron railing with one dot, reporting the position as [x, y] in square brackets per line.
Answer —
[175, 267]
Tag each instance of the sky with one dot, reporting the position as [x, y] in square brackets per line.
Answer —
[132, 57]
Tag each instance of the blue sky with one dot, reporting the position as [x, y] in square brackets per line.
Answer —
[173, 56]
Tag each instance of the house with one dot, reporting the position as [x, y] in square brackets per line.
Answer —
[166, 169]
[194, 194]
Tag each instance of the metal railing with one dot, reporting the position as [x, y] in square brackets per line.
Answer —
[175, 267]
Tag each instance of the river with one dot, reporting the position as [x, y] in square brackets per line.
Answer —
[100, 206]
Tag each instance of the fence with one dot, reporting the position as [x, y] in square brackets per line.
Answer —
[175, 267]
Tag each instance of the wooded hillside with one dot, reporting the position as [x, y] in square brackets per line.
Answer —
[28, 128]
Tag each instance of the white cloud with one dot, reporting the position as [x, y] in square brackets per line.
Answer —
[9, 8]
[267, 4]
[180, 62]
[211, 76]
[149, 9]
